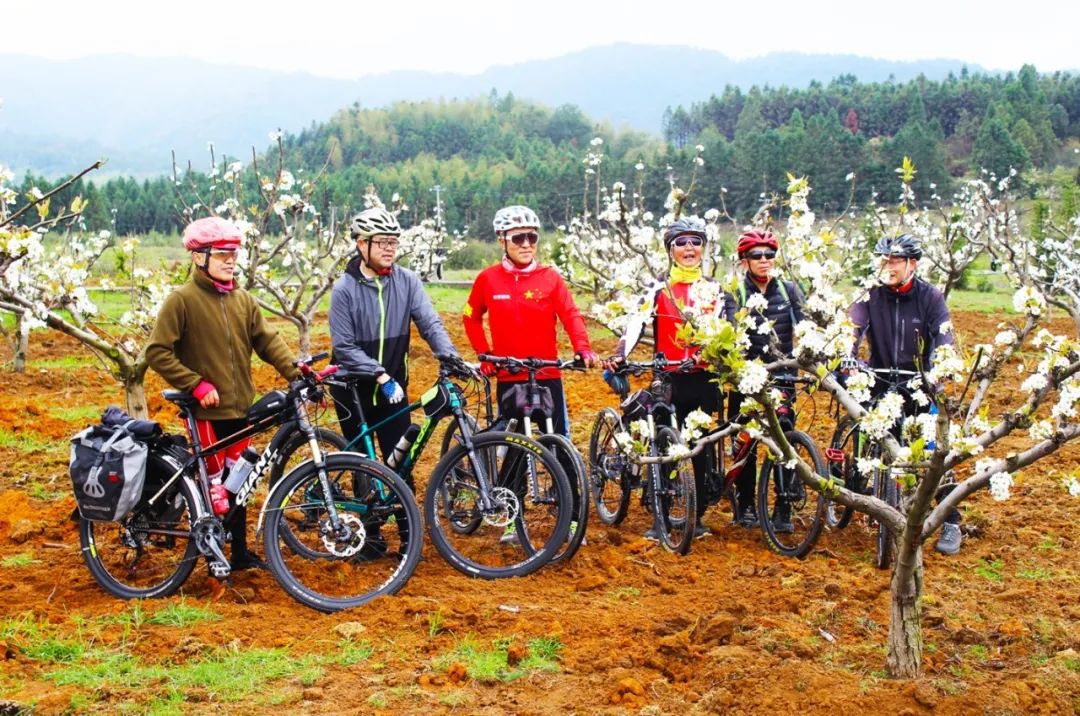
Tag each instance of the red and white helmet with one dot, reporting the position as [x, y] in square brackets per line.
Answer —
[212, 233]
[515, 217]
[756, 237]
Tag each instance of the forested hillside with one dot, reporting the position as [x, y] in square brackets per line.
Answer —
[486, 153]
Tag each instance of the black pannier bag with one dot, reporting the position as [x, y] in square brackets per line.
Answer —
[637, 405]
[108, 466]
[270, 404]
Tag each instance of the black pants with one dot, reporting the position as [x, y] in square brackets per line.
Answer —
[690, 392]
[238, 527]
[746, 480]
[373, 408]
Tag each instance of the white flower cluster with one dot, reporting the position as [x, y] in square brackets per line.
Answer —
[1000, 482]
[947, 365]
[881, 417]
[1029, 300]
[1072, 485]
[694, 425]
[752, 377]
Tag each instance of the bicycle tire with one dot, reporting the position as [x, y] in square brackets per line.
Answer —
[884, 489]
[363, 563]
[298, 441]
[568, 456]
[793, 503]
[843, 439]
[674, 494]
[141, 557]
[608, 469]
[450, 438]
[539, 519]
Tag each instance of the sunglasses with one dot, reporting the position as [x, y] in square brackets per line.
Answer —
[520, 239]
[694, 241]
[221, 254]
[755, 255]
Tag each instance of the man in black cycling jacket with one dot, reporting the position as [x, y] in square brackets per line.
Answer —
[905, 320]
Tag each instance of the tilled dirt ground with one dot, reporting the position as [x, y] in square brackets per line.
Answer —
[730, 628]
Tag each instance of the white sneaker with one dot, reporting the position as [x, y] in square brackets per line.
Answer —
[510, 535]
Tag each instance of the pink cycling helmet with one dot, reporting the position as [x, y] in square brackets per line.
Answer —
[212, 233]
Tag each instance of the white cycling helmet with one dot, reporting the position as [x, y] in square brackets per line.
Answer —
[515, 217]
[375, 220]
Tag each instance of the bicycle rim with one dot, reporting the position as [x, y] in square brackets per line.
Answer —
[150, 553]
[791, 513]
[373, 550]
[610, 485]
[674, 495]
[526, 520]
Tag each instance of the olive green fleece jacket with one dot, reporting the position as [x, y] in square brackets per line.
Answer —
[203, 334]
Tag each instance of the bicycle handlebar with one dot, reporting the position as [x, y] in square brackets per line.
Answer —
[532, 364]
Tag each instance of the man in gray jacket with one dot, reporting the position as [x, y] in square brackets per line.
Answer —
[371, 307]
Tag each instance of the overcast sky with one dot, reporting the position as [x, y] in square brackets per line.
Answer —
[348, 40]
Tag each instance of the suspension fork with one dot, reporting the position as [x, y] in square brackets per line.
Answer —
[479, 468]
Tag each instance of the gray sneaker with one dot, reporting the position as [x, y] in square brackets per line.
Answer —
[652, 535]
[701, 532]
[949, 540]
[509, 535]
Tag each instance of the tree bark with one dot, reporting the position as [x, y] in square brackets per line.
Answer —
[904, 657]
[22, 342]
[135, 397]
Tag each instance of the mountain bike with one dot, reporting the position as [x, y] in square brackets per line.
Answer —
[154, 549]
[668, 491]
[482, 485]
[849, 445]
[528, 402]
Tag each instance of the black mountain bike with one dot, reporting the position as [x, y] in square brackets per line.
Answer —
[317, 526]
[485, 483]
[849, 445]
[668, 491]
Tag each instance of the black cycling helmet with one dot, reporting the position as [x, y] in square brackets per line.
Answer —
[904, 246]
[684, 227]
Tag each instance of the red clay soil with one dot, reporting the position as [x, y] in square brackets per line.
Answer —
[730, 628]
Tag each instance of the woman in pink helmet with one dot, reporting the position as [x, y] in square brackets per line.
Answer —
[202, 343]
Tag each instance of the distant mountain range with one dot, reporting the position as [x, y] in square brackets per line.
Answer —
[58, 116]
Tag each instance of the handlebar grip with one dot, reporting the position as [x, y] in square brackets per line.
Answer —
[327, 372]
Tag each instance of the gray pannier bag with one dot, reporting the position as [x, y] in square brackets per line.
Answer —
[108, 468]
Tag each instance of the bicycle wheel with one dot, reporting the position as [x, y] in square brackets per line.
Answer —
[608, 468]
[844, 468]
[149, 553]
[460, 522]
[527, 515]
[674, 494]
[884, 489]
[574, 466]
[373, 551]
[791, 513]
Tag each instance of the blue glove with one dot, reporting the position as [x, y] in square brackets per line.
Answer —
[392, 391]
[618, 382]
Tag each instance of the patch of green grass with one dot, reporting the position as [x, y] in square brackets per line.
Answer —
[181, 614]
[990, 570]
[978, 652]
[1071, 663]
[489, 665]
[24, 442]
[448, 299]
[455, 698]
[1049, 543]
[1035, 573]
[377, 700]
[623, 594]
[77, 413]
[351, 652]
[131, 618]
[434, 623]
[23, 559]
[64, 362]
[43, 493]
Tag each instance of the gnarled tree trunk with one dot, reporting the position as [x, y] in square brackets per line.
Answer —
[904, 657]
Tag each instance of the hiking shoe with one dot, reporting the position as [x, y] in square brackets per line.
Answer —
[509, 535]
[247, 560]
[701, 532]
[949, 540]
[573, 531]
[652, 534]
[748, 518]
[781, 520]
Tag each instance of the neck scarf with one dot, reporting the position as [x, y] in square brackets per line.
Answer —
[683, 274]
[514, 268]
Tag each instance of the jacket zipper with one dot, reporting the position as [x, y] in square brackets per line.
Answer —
[229, 339]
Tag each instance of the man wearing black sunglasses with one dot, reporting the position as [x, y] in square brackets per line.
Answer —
[523, 300]
[775, 306]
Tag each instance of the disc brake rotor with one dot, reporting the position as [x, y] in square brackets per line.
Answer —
[349, 539]
[505, 507]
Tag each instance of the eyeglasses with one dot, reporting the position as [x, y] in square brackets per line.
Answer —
[530, 236]
[694, 241]
[757, 255]
[222, 254]
[386, 243]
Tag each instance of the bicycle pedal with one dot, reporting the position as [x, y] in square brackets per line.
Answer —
[220, 570]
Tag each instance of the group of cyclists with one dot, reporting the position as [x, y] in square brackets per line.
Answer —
[208, 328]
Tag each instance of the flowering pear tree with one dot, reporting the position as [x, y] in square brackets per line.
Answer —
[615, 248]
[45, 284]
[963, 439]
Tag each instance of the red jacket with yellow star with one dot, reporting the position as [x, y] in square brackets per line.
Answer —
[522, 308]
